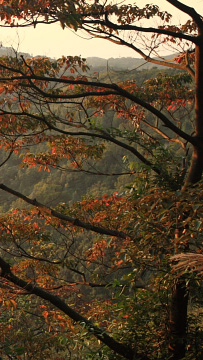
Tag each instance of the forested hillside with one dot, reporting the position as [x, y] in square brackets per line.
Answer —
[69, 185]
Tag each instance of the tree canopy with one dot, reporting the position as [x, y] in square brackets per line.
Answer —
[98, 278]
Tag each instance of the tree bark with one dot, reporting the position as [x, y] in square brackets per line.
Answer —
[179, 300]
[196, 169]
[178, 320]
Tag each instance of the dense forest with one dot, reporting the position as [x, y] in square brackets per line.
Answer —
[101, 188]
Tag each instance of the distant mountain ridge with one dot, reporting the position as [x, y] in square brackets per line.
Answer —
[9, 51]
[123, 63]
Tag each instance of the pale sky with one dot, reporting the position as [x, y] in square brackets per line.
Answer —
[53, 41]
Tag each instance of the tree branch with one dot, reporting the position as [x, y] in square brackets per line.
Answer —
[114, 26]
[118, 41]
[116, 90]
[105, 136]
[157, 113]
[187, 10]
[117, 347]
[66, 218]
[8, 157]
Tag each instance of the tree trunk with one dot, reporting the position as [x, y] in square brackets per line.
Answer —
[178, 320]
[196, 169]
[179, 300]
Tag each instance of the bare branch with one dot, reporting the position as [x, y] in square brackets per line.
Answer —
[8, 157]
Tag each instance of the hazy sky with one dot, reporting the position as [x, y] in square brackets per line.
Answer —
[53, 41]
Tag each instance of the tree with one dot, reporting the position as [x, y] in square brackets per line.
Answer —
[60, 105]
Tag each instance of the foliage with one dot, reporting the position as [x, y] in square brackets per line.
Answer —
[94, 276]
